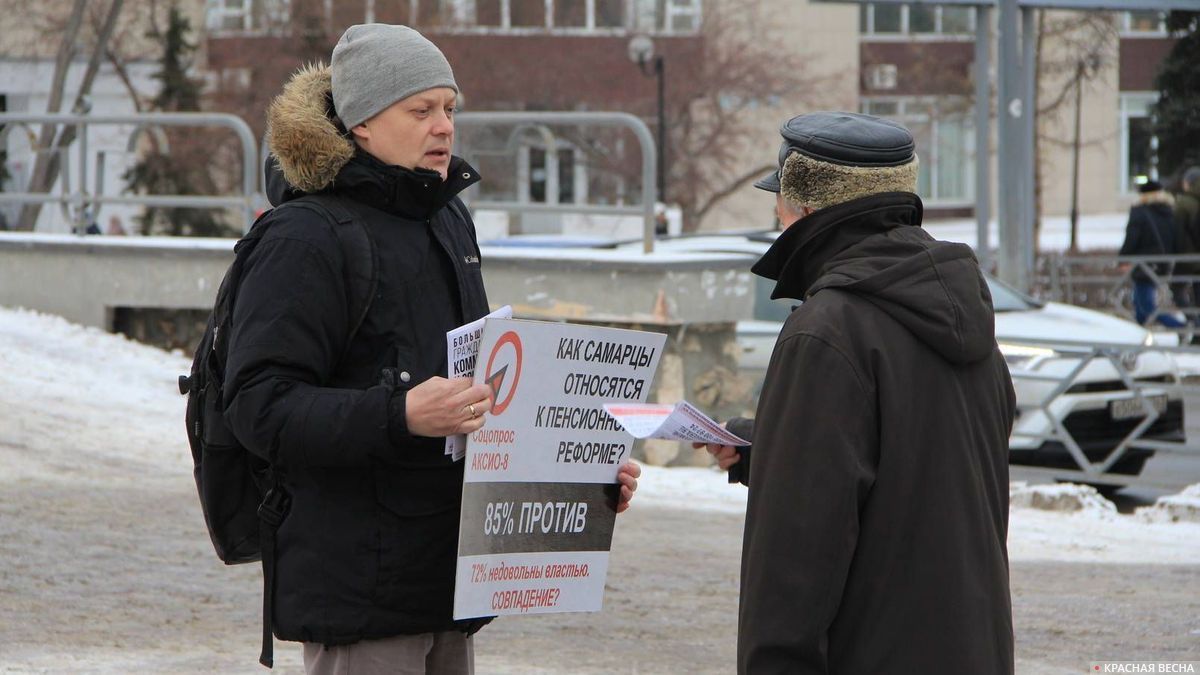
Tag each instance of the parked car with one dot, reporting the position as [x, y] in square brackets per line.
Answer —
[1097, 408]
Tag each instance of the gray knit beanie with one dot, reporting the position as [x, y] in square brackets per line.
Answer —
[375, 64]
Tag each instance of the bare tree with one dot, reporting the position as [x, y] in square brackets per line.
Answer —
[1073, 50]
[712, 119]
[47, 165]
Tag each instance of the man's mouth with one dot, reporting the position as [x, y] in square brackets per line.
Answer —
[438, 155]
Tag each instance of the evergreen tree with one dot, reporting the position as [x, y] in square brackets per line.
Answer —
[185, 167]
[1177, 113]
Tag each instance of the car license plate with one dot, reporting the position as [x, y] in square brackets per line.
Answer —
[1132, 407]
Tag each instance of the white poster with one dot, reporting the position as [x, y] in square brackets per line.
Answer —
[539, 491]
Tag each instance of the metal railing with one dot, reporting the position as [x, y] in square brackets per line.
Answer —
[81, 200]
[1105, 283]
[538, 122]
[1076, 357]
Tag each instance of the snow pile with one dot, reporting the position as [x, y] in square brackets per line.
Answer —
[78, 404]
[1183, 507]
[1065, 497]
[1073, 523]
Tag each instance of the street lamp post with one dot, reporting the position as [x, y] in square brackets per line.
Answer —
[641, 52]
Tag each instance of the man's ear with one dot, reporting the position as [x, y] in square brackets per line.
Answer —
[361, 132]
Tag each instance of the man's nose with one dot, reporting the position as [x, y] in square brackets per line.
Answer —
[443, 126]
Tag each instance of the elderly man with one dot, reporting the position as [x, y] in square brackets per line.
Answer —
[352, 411]
[877, 518]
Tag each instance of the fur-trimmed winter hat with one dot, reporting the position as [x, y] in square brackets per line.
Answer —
[832, 157]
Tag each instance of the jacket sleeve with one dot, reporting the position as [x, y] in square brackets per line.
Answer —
[289, 328]
[814, 463]
[744, 427]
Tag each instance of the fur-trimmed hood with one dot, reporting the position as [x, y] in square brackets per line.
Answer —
[308, 146]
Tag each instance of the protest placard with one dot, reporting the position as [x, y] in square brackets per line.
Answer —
[539, 485]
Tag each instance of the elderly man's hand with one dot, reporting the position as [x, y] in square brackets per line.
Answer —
[726, 455]
[627, 477]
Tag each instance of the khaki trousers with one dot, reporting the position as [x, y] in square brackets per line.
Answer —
[449, 653]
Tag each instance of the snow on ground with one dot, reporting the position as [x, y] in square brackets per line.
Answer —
[74, 390]
[104, 566]
[1103, 231]
[87, 398]
[1064, 523]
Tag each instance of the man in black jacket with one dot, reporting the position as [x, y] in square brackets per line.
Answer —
[1150, 231]
[877, 517]
[355, 420]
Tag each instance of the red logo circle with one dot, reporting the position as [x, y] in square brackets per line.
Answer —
[496, 380]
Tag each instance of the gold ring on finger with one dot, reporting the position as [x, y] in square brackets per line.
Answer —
[471, 407]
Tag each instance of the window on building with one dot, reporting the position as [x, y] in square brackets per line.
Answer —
[1139, 145]
[572, 16]
[225, 16]
[1144, 22]
[682, 16]
[539, 175]
[489, 13]
[552, 178]
[957, 20]
[945, 141]
[442, 13]
[228, 15]
[886, 19]
[610, 13]
[527, 13]
[922, 19]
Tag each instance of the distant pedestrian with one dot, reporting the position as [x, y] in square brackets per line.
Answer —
[1187, 231]
[1151, 231]
[115, 226]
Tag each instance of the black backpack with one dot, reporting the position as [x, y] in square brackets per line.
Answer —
[240, 495]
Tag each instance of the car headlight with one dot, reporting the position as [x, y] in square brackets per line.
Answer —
[1024, 357]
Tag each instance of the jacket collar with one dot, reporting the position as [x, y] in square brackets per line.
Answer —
[798, 257]
[409, 193]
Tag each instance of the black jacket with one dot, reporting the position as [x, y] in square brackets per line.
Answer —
[877, 518]
[1150, 231]
[368, 547]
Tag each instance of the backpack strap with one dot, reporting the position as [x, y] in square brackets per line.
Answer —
[360, 271]
[361, 268]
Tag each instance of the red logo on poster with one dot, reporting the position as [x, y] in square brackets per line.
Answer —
[506, 353]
